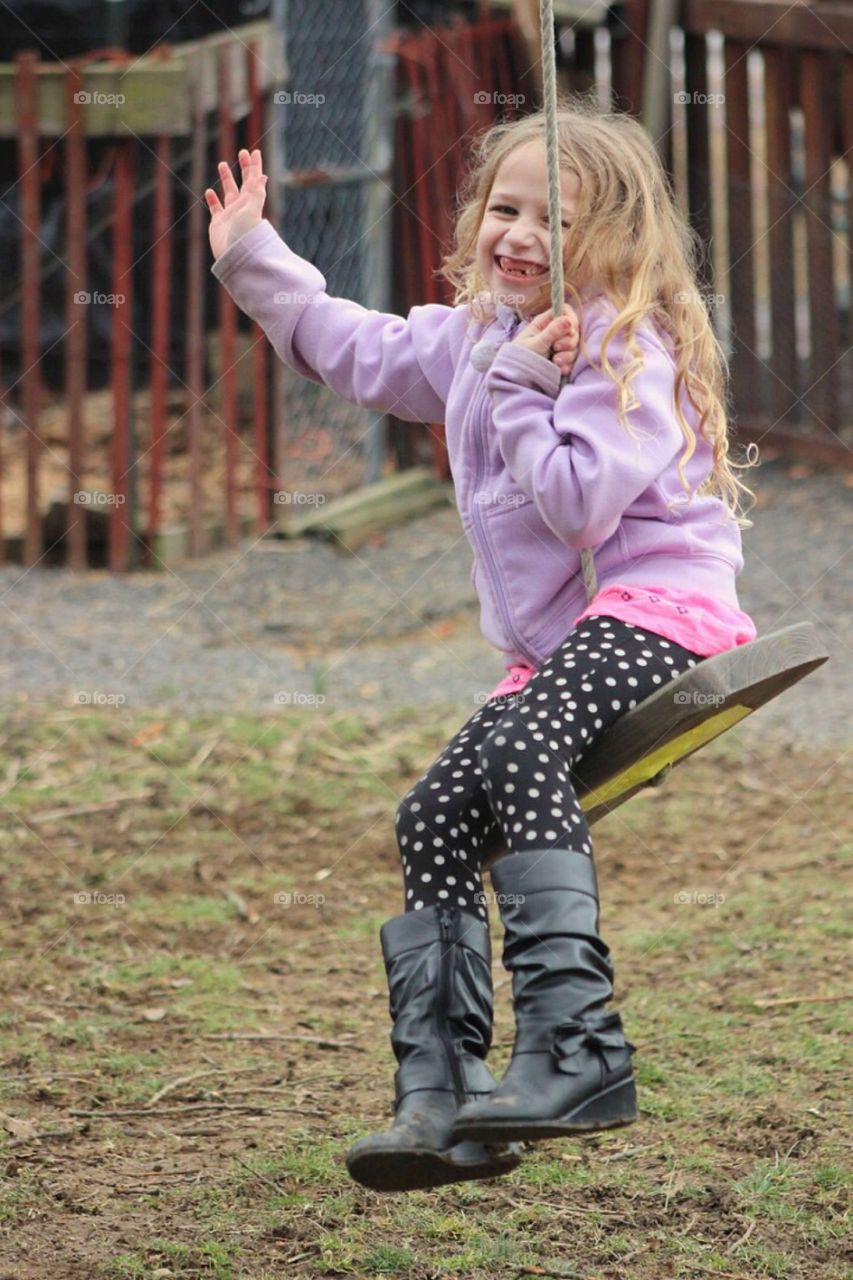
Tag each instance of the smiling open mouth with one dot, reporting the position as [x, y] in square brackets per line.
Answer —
[519, 268]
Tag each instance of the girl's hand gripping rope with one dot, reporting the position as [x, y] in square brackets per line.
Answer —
[555, 339]
[243, 206]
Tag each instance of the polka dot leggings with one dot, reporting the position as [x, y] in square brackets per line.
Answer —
[509, 766]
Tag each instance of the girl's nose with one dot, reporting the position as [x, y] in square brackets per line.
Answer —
[521, 231]
[518, 238]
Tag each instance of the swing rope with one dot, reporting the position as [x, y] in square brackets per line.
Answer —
[549, 93]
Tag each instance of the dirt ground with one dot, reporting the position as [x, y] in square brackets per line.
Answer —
[195, 1018]
[193, 1012]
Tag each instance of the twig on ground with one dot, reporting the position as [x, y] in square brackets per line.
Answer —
[322, 1042]
[75, 811]
[176, 1084]
[70, 1131]
[174, 1111]
[261, 1178]
[767, 1004]
[743, 1239]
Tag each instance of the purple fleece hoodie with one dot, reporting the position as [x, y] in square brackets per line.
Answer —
[539, 471]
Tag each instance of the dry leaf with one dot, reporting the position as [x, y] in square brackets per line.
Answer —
[18, 1128]
[149, 733]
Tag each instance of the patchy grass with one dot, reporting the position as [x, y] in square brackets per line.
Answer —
[194, 1016]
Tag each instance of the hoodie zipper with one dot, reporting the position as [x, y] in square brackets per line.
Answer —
[494, 576]
[446, 967]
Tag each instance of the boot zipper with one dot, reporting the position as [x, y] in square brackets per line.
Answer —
[446, 966]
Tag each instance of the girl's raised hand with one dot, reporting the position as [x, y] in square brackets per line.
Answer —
[243, 205]
[557, 339]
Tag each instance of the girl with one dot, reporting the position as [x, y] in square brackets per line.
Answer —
[605, 429]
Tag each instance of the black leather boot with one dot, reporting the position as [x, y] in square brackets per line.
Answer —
[571, 1065]
[438, 962]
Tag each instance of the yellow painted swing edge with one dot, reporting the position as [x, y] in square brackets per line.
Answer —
[671, 752]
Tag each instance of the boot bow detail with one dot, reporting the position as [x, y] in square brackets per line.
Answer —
[604, 1034]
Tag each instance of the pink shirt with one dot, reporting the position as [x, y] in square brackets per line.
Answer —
[697, 622]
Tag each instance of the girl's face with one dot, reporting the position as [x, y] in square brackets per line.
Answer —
[513, 245]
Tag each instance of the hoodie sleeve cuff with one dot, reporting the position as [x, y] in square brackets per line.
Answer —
[517, 364]
[230, 261]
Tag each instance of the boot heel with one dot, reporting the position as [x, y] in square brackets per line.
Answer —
[614, 1107]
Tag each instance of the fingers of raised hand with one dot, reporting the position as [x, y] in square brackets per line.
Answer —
[252, 167]
[212, 200]
[226, 177]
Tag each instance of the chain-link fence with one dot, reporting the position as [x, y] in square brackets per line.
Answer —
[333, 143]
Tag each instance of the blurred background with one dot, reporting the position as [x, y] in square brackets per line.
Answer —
[141, 413]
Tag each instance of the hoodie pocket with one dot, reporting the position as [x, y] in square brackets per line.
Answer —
[537, 573]
[540, 576]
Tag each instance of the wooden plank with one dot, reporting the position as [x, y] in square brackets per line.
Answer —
[803, 26]
[355, 508]
[352, 534]
[748, 676]
[150, 94]
[684, 715]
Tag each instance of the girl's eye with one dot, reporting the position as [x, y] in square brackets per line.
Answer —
[507, 208]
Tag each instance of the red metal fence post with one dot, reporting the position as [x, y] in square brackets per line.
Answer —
[30, 180]
[197, 254]
[160, 328]
[120, 527]
[76, 311]
[260, 349]
[228, 322]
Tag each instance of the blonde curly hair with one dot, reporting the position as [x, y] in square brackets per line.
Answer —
[639, 251]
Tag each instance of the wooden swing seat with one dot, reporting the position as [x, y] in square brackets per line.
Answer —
[641, 748]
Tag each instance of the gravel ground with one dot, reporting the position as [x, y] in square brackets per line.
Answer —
[395, 624]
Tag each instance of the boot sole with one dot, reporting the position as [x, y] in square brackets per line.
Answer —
[420, 1169]
[613, 1108]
